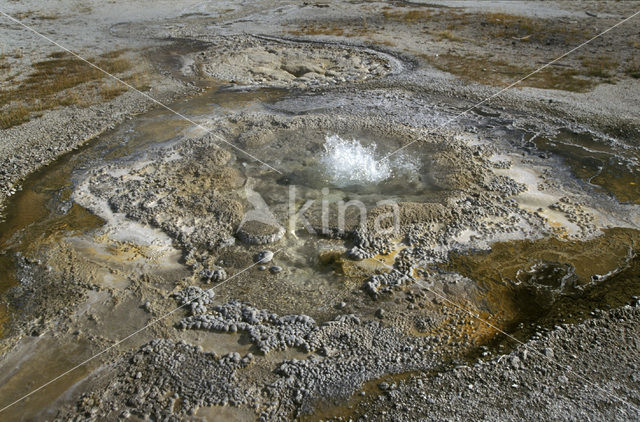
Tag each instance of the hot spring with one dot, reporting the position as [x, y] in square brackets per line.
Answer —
[349, 163]
[357, 166]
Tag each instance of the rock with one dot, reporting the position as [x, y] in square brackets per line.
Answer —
[214, 275]
[302, 68]
[264, 257]
[515, 362]
[380, 313]
[219, 275]
[196, 298]
[258, 233]
[275, 269]
[359, 254]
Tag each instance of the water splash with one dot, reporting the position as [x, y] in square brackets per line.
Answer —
[347, 162]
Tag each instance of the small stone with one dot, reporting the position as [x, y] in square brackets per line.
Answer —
[219, 275]
[214, 275]
[380, 313]
[264, 257]
[262, 267]
[276, 269]
[258, 233]
[515, 362]
[341, 305]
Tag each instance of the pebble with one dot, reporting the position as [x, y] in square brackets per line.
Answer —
[276, 269]
[515, 362]
[214, 275]
[219, 275]
[264, 257]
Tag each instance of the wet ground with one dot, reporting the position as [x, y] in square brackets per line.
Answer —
[520, 284]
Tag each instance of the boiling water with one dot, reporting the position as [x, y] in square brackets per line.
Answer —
[348, 163]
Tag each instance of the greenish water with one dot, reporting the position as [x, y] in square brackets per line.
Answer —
[610, 168]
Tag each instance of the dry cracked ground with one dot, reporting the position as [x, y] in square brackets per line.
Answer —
[320, 210]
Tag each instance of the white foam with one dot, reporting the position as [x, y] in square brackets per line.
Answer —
[351, 163]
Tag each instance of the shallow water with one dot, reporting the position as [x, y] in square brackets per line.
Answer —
[327, 167]
[610, 167]
[549, 279]
[348, 163]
